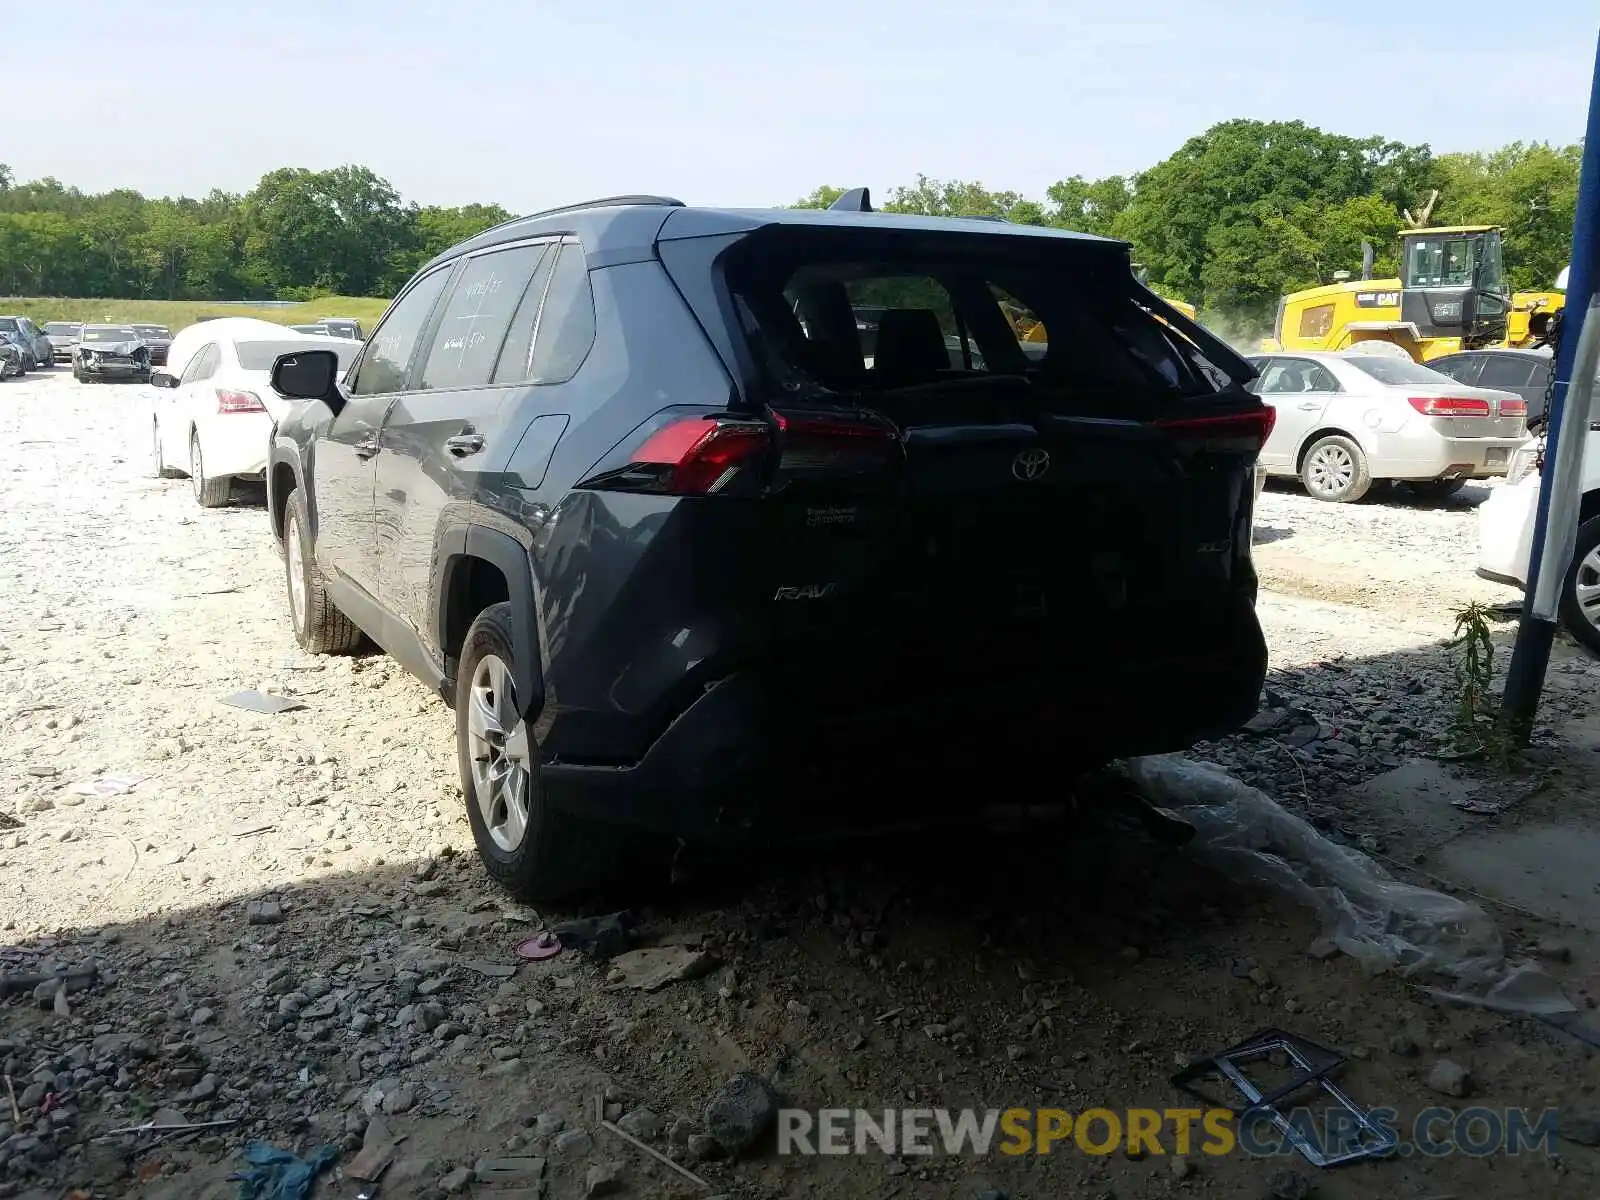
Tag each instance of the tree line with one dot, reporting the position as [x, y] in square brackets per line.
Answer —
[1237, 216]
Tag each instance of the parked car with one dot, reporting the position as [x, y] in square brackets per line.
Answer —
[214, 421]
[317, 329]
[684, 567]
[159, 339]
[1346, 421]
[1525, 372]
[63, 337]
[344, 327]
[18, 341]
[110, 352]
[10, 360]
[36, 346]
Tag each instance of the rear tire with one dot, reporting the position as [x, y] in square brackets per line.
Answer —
[1436, 489]
[531, 848]
[1580, 594]
[208, 493]
[319, 626]
[1335, 470]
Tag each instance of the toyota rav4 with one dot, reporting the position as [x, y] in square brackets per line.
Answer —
[619, 481]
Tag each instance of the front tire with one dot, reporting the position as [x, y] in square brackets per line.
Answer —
[1335, 470]
[1580, 594]
[319, 626]
[528, 846]
[208, 493]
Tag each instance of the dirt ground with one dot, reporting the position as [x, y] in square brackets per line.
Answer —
[1072, 964]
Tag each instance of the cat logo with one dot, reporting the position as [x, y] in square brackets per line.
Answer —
[1377, 299]
[805, 591]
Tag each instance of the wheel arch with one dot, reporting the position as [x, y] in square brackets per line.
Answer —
[480, 567]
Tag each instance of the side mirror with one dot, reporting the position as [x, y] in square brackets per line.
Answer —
[162, 379]
[309, 375]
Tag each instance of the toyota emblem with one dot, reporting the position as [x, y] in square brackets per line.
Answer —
[1030, 464]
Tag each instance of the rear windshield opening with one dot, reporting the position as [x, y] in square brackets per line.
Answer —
[827, 318]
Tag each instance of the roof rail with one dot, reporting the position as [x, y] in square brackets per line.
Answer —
[602, 202]
[855, 200]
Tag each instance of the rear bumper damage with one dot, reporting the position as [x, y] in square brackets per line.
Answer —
[743, 760]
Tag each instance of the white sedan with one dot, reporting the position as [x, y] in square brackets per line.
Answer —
[214, 421]
[1346, 421]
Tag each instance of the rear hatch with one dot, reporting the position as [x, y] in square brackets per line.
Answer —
[953, 513]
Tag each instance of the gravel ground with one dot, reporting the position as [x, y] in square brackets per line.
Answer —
[371, 991]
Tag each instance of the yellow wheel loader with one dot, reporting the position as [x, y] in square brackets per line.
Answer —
[1451, 296]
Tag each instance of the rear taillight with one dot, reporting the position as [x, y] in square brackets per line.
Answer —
[230, 400]
[1450, 406]
[1254, 426]
[707, 456]
[835, 446]
[697, 457]
[1513, 408]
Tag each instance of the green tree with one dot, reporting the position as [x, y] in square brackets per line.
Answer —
[1530, 191]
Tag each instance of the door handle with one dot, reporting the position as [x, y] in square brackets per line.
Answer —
[464, 444]
[1313, 406]
[367, 446]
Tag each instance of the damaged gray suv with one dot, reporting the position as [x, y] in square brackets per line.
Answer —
[622, 484]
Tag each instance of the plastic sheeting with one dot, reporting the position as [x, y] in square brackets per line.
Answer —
[1383, 923]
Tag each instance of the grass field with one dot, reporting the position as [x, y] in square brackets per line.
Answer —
[175, 314]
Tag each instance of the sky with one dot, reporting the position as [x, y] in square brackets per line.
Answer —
[546, 102]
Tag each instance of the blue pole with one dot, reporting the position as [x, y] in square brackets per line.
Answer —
[1530, 656]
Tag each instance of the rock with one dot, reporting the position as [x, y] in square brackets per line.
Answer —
[202, 1016]
[1322, 949]
[456, 1181]
[1260, 978]
[1582, 1129]
[401, 1099]
[1450, 1079]
[679, 1133]
[1287, 1185]
[1404, 1046]
[702, 1147]
[796, 1009]
[263, 912]
[653, 967]
[548, 1123]
[602, 1180]
[642, 1124]
[1555, 950]
[208, 1087]
[1180, 1167]
[573, 1143]
[741, 1112]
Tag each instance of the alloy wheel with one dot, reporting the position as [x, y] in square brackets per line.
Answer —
[497, 738]
[1330, 470]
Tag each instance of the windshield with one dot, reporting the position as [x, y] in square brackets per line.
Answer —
[62, 329]
[8, 324]
[110, 333]
[1491, 273]
[1441, 262]
[155, 331]
[1399, 371]
[259, 356]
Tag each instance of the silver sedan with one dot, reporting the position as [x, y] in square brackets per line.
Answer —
[1346, 421]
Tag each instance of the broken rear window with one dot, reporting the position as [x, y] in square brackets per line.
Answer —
[827, 317]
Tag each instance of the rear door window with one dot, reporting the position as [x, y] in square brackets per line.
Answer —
[203, 365]
[1504, 371]
[473, 325]
[515, 364]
